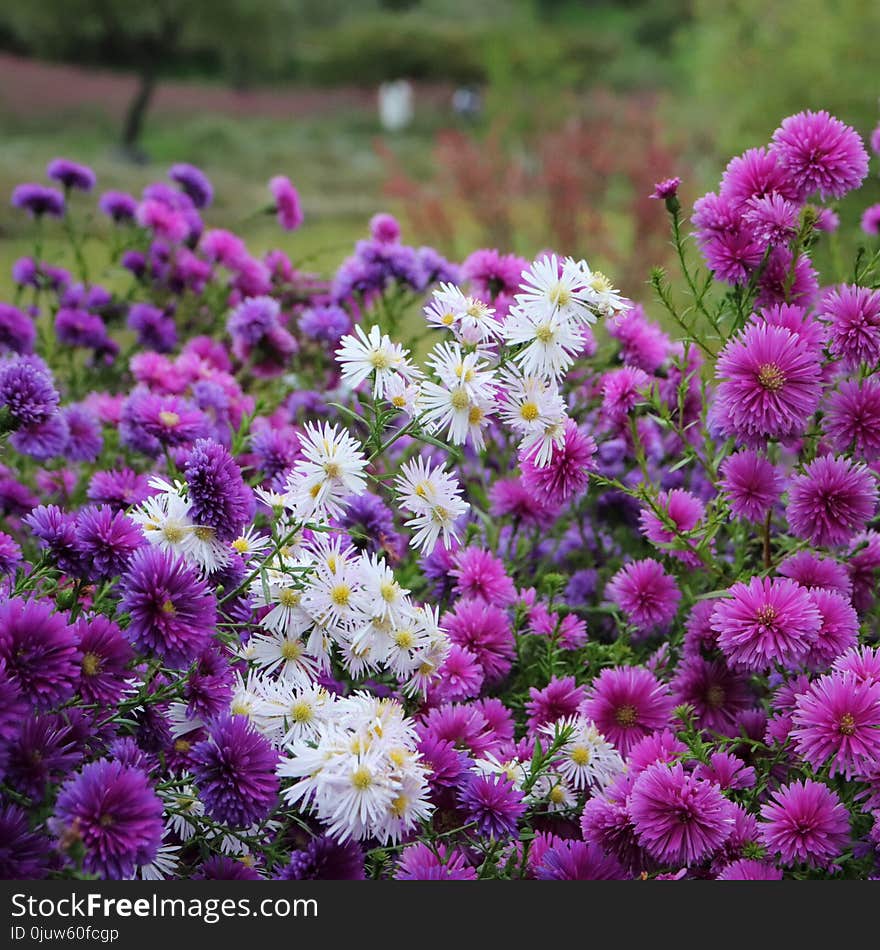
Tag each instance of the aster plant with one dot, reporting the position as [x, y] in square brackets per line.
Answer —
[442, 572]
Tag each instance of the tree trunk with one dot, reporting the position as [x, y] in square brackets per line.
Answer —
[137, 110]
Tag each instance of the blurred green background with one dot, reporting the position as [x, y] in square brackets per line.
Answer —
[583, 105]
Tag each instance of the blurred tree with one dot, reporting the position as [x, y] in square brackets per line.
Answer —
[242, 39]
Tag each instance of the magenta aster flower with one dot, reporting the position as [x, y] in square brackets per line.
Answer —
[870, 222]
[461, 724]
[773, 219]
[765, 622]
[418, 862]
[749, 869]
[642, 343]
[287, 203]
[508, 497]
[678, 819]
[755, 174]
[653, 748]
[852, 418]
[567, 473]
[219, 867]
[118, 488]
[665, 189]
[621, 391]
[461, 676]
[606, 822]
[863, 565]
[115, 813]
[805, 822]
[481, 575]
[832, 500]
[716, 693]
[795, 319]
[821, 154]
[234, 769]
[645, 593]
[484, 630]
[572, 860]
[726, 770]
[862, 661]
[39, 650]
[837, 721]
[853, 315]
[685, 511]
[493, 804]
[626, 703]
[769, 384]
[559, 698]
[813, 570]
[753, 484]
[171, 609]
[839, 630]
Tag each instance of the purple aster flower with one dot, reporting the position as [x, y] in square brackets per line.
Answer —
[106, 654]
[118, 488]
[218, 496]
[40, 652]
[753, 484]
[208, 690]
[785, 280]
[327, 324]
[24, 854]
[384, 228]
[155, 328]
[839, 630]
[481, 576]
[370, 523]
[813, 570]
[10, 554]
[757, 173]
[870, 222]
[172, 611]
[43, 751]
[150, 421]
[567, 473]
[134, 261]
[493, 804]
[56, 531]
[621, 391]
[223, 868]
[726, 770]
[27, 391]
[853, 315]
[795, 319]
[460, 676]
[435, 269]
[765, 622]
[606, 822]
[325, 859]
[749, 869]
[642, 343]
[852, 418]
[679, 819]
[863, 563]
[42, 441]
[75, 327]
[106, 540]
[118, 205]
[647, 596]
[287, 203]
[558, 699]
[769, 384]
[773, 219]
[567, 860]
[38, 200]
[863, 662]
[71, 174]
[418, 862]
[832, 500]
[627, 703]
[838, 719]
[194, 183]
[666, 189]
[685, 511]
[13, 707]
[805, 822]
[17, 331]
[716, 693]
[163, 220]
[461, 724]
[115, 813]
[821, 154]
[84, 437]
[485, 630]
[234, 769]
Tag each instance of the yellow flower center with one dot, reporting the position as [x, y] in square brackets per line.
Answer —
[626, 716]
[380, 360]
[288, 598]
[557, 795]
[169, 419]
[332, 469]
[204, 533]
[544, 333]
[560, 295]
[388, 591]
[341, 595]
[362, 778]
[168, 607]
[529, 411]
[404, 639]
[91, 664]
[301, 712]
[241, 545]
[580, 755]
[291, 650]
[771, 377]
[459, 399]
[475, 415]
[847, 725]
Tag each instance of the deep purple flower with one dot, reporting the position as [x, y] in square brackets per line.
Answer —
[71, 174]
[172, 611]
[208, 690]
[56, 531]
[10, 554]
[40, 652]
[234, 769]
[118, 205]
[328, 323]
[821, 154]
[558, 699]
[567, 860]
[115, 813]
[42, 441]
[716, 693]
[765, 622]
[666, 189]
[27, 391]
[156, 329]
[84, 437]
[38, 200]
[370, 524]
[118, 488]
[75, 327]
[493, 804]
[679, 819]
[24, 854]
[106, 540]
[805, 822]
[325, 859]
[749, 869]
[105, 655]
[832, 500]
[418, 862]
[219, 498]
[753, 484]
[626, 703]
[812, 570]
[852, 418]
[220, 867]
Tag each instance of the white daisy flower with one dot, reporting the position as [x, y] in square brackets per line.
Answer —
[251, 545]
[534, 409]
[551, 291]
[283, 654]
[363, 354]
[586, 759]
[432, 496]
